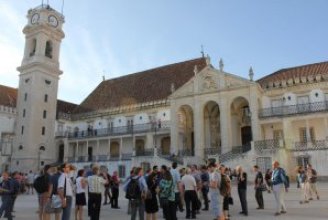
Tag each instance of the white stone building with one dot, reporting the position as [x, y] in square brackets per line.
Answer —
[187, 112]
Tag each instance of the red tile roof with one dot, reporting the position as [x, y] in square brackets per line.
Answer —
[8, 97]
[299, 71]
[146, 86]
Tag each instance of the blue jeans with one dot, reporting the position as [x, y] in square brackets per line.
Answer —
[67, 210]
[215, 203]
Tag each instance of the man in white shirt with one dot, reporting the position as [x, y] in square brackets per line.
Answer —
[96, 187]
[65, 190]
[190, 195]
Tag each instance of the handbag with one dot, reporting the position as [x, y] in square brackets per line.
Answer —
[230, 200]
[56, 201]
[262, 187]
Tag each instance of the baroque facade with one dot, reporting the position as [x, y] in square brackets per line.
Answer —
[187, 112]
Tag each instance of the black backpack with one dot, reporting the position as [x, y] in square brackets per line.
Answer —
[41, 184]
[133, 190]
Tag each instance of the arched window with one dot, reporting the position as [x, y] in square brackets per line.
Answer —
[48, 51]
[33, 47]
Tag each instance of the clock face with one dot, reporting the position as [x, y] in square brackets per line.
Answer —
[53, 21]
[35, 18]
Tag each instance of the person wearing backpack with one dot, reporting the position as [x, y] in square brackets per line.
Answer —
[134, 188]
[279, 182]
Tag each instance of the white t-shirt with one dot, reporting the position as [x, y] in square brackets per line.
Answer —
[189, 182]
[61, 184]
[79, 188]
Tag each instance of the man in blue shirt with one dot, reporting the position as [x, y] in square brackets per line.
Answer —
[279, 187]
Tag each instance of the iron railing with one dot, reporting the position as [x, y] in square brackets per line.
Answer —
[290, 110]
[270, 145]
[212, 151]
[116, 131]
[311, 145]
[185, 152]
[145, 152]
[126, 156]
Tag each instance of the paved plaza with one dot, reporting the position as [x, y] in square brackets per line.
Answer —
[26, 207]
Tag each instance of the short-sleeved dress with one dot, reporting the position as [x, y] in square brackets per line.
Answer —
[80, 193]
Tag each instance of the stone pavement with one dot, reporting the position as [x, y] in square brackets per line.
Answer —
[26, 207]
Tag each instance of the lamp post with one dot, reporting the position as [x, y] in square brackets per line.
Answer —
[42, 148]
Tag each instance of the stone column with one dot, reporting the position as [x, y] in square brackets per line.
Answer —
[97, 153]
[254, 109]
[174, 129]
[308, 134]
[284, 156]
[225, 126]
[109, 148]
[326, 127]
[77, 150]
[121, 147]
[198, 119]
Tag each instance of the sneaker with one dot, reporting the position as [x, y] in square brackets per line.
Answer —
[301, 202]
[310, 198]
[306, 201]
[276, 214]
[283, 212]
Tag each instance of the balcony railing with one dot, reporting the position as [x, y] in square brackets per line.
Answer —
[116, 131]
[126, 156]
[290, 110]
[145, 152]
[212, 151]
[311, 145]
[270, 145]
[185, 152]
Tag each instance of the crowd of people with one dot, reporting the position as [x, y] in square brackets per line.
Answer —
[192, 189]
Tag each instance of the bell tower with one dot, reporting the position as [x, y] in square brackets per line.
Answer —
[34, 143]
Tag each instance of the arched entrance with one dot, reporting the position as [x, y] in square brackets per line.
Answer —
[241, 128]
[165, 146]
[212, 130]
[140, 147]
[61, 152]
[114, 149]
[186, 131]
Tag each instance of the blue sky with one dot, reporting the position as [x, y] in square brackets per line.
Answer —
[118, 37]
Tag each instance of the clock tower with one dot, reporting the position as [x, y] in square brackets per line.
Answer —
[34, 143]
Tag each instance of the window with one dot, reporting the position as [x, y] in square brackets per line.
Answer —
[22, 130]
[46, 98]
[48, 51]
[303, 135]
[278, 135]
[24, 112]
[33, 47]
[121, 171]
[43, 130]
[25, 97]
[48, 82]
[44, 114]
